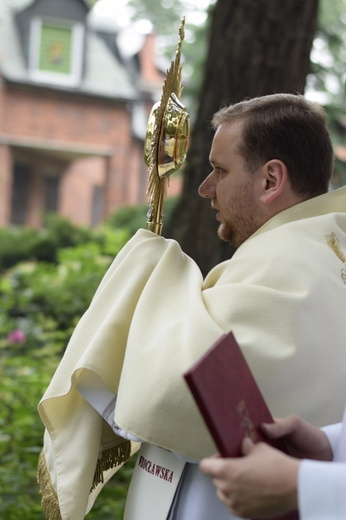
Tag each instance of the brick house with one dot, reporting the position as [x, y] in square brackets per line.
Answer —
[73, 114]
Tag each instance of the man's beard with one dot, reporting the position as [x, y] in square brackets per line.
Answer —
[226, 233]
[237, 233]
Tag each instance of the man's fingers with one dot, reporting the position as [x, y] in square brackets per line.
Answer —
[247, 446]
[270, 430]
[280, 427]
[210, 466]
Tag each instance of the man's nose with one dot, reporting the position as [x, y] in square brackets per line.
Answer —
[207, 188]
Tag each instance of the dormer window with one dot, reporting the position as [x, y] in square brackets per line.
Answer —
[56, 51]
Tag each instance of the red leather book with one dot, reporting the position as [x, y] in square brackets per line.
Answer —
[230, 400]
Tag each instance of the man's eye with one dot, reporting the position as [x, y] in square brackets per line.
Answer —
[218, 171]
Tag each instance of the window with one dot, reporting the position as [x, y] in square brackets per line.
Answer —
[56, 51]
[97, 210]
[51, 192]
[20, 193]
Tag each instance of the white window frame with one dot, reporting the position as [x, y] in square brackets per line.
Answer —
[57, 78]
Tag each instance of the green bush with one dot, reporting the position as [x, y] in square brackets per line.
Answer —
[23, 376]
[22, 244]
[133, 218]
[43, 298]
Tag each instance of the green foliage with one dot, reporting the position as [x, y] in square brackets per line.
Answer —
[40, 304]
[45, 299]
[23, 376]
[18, 244]
[130, 217]
[134, 217]
[329, 54]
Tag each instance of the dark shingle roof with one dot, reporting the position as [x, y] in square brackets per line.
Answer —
[104, 73]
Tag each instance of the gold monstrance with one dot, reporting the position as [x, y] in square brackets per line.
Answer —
[167, 139]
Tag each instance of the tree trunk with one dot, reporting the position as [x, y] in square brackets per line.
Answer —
[256, 47]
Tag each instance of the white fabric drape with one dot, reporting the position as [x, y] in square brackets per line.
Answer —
[282, 294]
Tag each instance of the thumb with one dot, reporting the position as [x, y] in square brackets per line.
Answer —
[279, 428]
[247, 446]
[271, 430]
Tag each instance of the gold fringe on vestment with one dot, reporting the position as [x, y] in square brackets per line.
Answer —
[109, 459]
[49, 502]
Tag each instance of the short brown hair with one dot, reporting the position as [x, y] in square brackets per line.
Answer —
[287, 127]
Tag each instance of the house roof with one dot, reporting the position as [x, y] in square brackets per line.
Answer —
[105, 75]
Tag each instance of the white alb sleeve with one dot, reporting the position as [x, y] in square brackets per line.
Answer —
[322, 490]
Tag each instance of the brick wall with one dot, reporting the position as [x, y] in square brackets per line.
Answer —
[64, 118]
[59, 126]
[76, 190]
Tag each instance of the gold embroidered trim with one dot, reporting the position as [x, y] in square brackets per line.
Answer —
[111, 458]
[49, 502]
[333, 242]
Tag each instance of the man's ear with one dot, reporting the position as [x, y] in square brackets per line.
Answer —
[273, 180]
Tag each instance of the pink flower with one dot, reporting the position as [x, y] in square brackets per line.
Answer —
[16, 336]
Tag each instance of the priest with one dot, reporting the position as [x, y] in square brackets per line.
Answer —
[119, 387]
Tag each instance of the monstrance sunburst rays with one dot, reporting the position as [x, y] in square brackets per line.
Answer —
[167, 139]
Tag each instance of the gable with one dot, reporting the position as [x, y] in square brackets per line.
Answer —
[50, 43]
[52, 35]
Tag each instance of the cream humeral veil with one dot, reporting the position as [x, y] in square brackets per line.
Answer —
[283, 295]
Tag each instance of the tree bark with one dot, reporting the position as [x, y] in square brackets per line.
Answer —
[256, 47]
